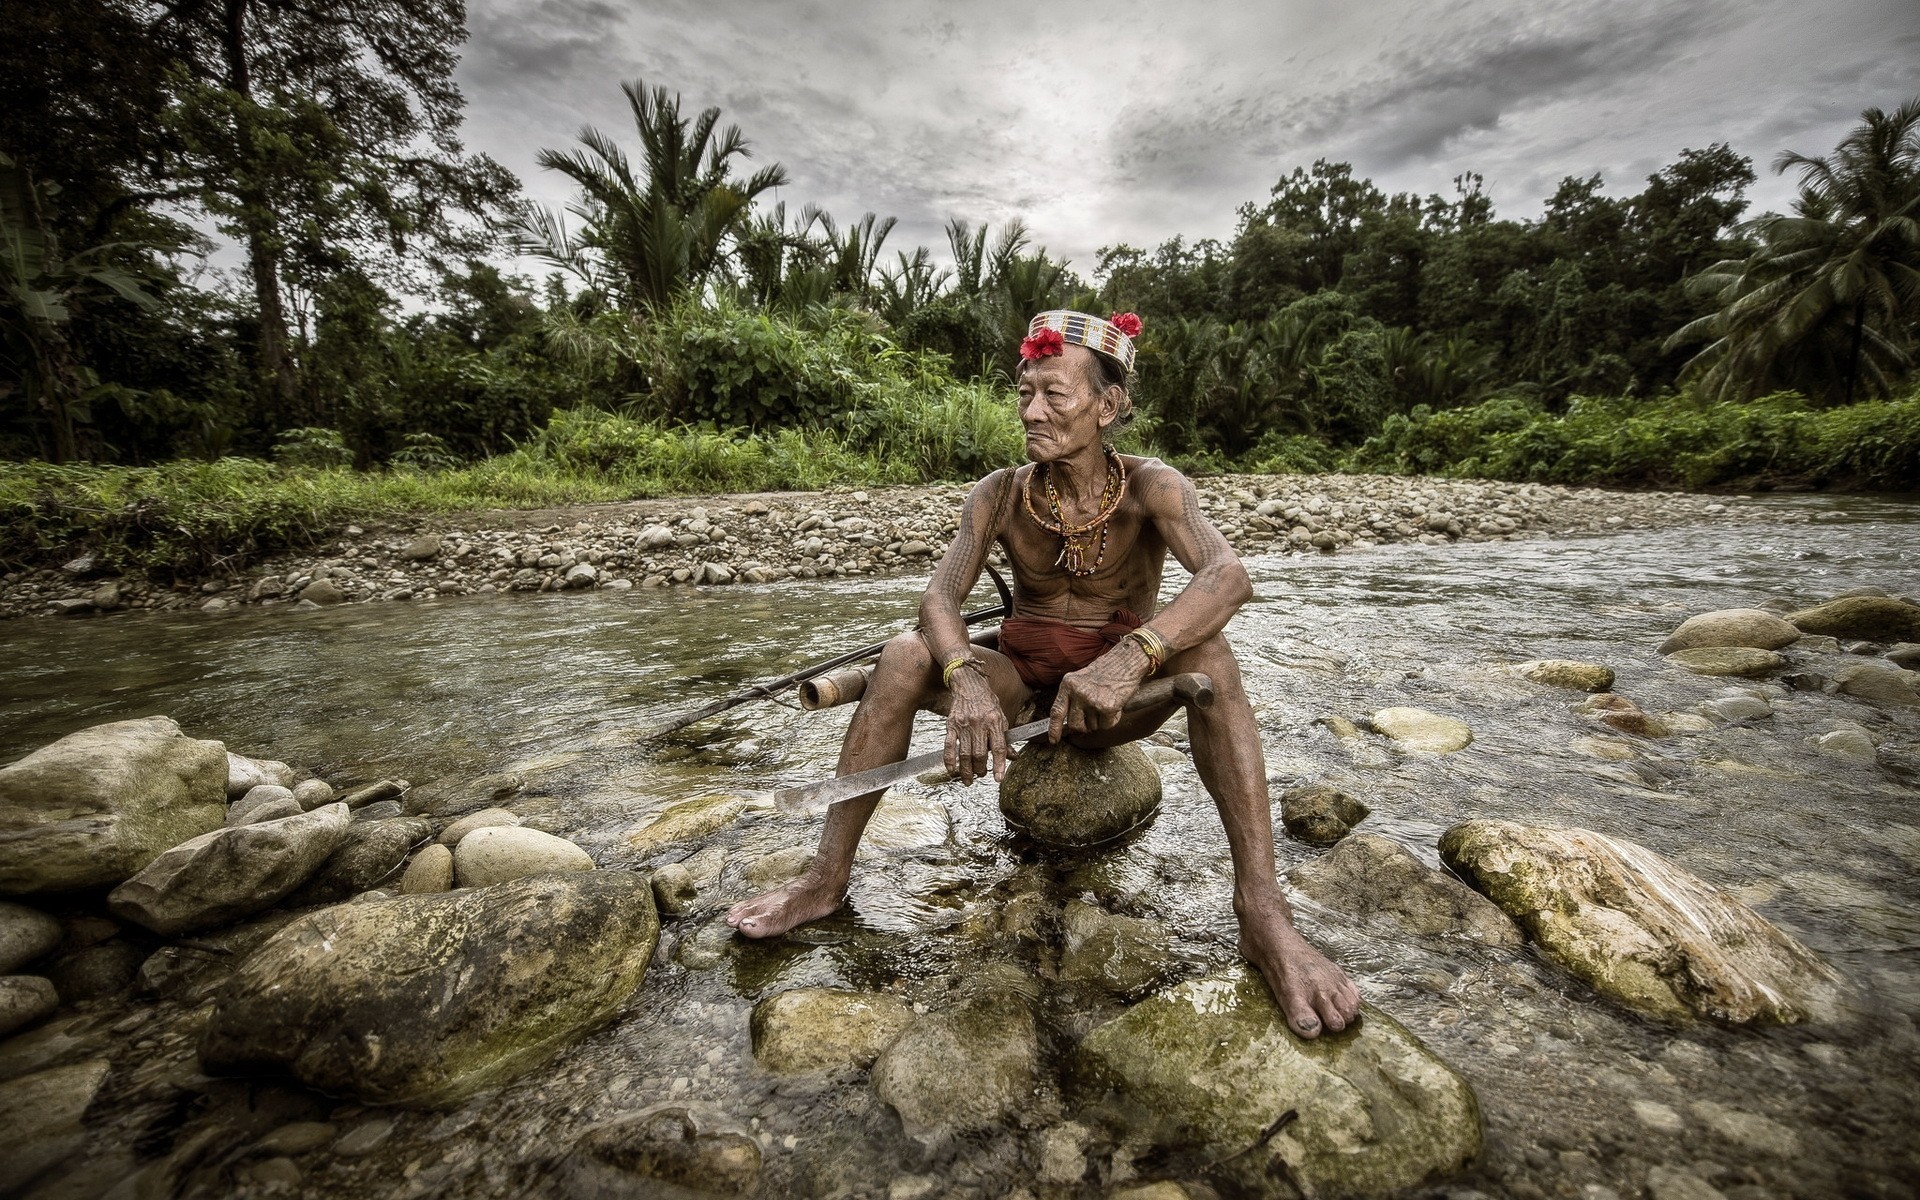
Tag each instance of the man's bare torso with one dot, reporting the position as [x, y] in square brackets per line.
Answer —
[1128, 576]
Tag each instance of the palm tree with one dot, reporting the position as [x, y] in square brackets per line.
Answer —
[654, 235]
[1830, 296]
[855, 253]
[912, 285]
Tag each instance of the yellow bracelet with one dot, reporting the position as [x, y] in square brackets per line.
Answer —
[957, 663]
[1151, 644]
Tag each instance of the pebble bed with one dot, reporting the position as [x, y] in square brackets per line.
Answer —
[765, 538]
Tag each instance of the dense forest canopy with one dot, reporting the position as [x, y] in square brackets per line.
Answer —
[374, 323]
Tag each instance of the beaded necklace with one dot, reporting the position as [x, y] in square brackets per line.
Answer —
[1075, 540]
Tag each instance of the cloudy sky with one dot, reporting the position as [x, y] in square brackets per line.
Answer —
[1125, 122]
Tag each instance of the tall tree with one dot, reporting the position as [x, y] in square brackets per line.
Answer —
[650, 235]
[1829, 299]
[319, 135]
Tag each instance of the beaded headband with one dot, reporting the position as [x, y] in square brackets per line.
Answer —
[1049, 331]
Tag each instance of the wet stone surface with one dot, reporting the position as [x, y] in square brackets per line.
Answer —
[1805, 815]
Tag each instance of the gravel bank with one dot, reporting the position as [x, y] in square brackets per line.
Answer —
[752, 539]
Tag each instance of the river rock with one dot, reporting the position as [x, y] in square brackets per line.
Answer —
[426, 546]
[323, 591]
[96, 806]
[905, 825]
[825, 1029]
[1905, 655]
[459, 795]
[312, 793]
[1727, 660]
[1853, 745]
[1123, 955]
[668, 1152]
[1638, 928]
[25, 934]
[1320, 815]
[1879, 683]
[969, 1067]
[687, 820]
[769, 871]
[486, 818]
[272, 810]
[675, 892]
[41, 1114]
[678, 887]
[379, 810]
[1737, 708]
[375, 792]
[1620, 713]
[1418, 729]
[1207, 1066]
[430, 871]
[96, 972]
[244, 774]
[222, 876]
[1870, 618]
[25, 999]
[1068, 798]
[373, 851]
[1566, 673]
[500, 853]
[424, 999]
[1380, 881]
[1755, 628]
[241, 811]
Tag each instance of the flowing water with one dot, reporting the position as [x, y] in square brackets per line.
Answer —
[1578, 1094]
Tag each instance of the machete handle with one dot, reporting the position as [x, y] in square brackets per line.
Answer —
[1190, 689]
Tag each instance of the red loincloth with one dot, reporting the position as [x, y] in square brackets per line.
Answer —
[1044, 649]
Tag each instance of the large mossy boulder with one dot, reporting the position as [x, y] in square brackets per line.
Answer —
[1754, 628]
[1869, 618]
[1640, 929]
[98, 805]
[1208, 1068]
[219, 877]
[1069, 799]
[421, 1000]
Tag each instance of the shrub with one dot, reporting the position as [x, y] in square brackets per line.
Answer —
[1668, 441]
[311, 448]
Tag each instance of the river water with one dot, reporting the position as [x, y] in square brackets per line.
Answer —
[1578, 1095]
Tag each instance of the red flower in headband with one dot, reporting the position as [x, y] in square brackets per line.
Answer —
[1044, 344]
[1127, 323]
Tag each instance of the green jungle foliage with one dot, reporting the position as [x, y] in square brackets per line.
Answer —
[1672, 442]
[694, 336]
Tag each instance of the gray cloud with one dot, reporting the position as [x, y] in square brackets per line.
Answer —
[1128, 121]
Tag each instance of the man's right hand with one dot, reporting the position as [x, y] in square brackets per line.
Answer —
[976, 730]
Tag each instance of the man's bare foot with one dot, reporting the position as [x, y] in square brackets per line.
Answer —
[1313, 993]
[773, 913]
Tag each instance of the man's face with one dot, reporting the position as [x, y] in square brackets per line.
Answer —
[1062, 410]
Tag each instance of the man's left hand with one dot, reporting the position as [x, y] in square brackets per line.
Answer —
[1092, 698]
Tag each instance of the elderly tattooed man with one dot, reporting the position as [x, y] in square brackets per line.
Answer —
[1087, 531]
